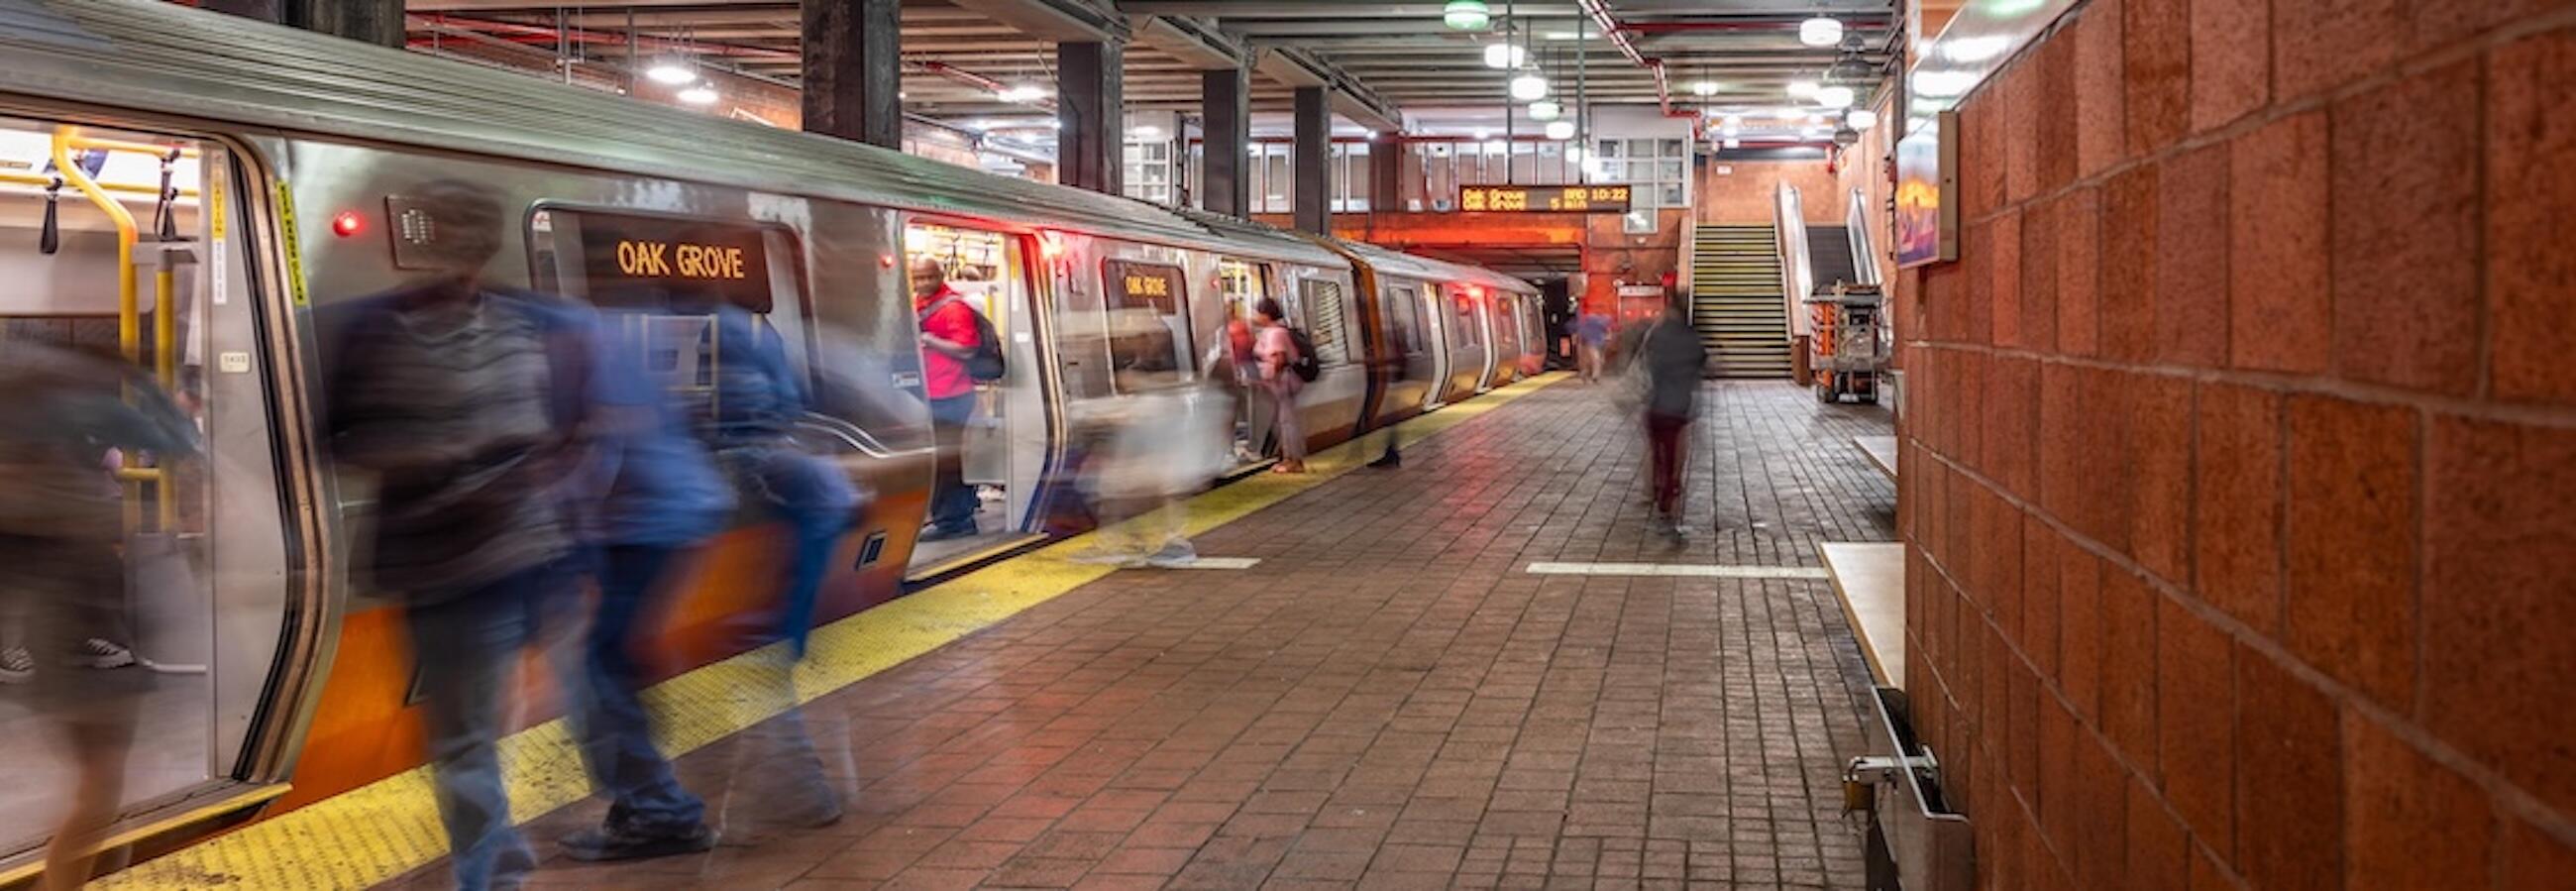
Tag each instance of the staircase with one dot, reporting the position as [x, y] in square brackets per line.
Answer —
[1735, 301]
[1829, 252]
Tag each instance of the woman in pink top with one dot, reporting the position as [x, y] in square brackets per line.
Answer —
[1275, 351]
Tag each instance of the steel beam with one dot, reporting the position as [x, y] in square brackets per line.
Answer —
[1197, 44]
[1090, 103]
[854, 70]
[1060, 20]
[1226, 118]
[1313, 179]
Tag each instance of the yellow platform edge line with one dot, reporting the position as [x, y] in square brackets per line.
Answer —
[377, 832]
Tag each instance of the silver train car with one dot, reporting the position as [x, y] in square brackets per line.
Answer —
[197, 193]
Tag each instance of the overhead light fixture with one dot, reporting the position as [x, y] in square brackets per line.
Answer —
[698, 96]
[1861, 119]
[1560, 130]
[1021, 94]
[1732, 142]
[1466, 15]
[1561, 35]
[1505, 55]
[1544, 110]
[1529, 87]
[1834, 97]
[1483, 134]
[1820, 31]
[1704, 88]
[1802, 89]
[671, 72]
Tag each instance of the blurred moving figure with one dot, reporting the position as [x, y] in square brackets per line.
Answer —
[1671, 357]
[61, 414]
[1159, 441]
[664, 499]
[468, 403]
[759, 399]
[948, 340]
[1276, 350]
[1591, 337]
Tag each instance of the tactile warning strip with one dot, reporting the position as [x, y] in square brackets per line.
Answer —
[373, 833]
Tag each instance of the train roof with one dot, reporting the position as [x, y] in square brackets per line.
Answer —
[158, 57]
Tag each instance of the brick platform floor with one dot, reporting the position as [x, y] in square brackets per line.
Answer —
[1389, 700]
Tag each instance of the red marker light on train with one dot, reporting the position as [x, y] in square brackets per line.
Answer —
[1050, 245]
[885, 260]
[347, 223]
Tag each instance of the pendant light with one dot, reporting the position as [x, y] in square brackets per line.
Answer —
[1466, 15]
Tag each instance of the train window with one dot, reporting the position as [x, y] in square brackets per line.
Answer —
[1149, 329]
[1325, 321]
[1403, 320]
[1243, 283]
[1467, 331]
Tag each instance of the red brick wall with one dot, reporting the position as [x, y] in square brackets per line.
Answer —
[1746, 193]
[2240, 482]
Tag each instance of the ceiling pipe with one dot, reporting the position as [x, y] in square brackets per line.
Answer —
[1618, 34]
[973, 79]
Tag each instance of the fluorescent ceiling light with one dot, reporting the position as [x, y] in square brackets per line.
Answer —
[1820, 31]
[1022, 93]
[1732, 142]
[698, 96]
[670, 72]
[1561, 35]
[1704, 88]
[1529, 87]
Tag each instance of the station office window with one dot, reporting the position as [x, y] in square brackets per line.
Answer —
[1149, 171]
[1658, 168]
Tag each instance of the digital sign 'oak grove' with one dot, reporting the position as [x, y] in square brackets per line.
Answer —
[1544, 199]
[678, 257]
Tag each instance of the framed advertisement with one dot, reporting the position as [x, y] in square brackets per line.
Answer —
[1927, 194]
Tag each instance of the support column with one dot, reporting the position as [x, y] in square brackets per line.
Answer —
[1090, 103]
[1386, 174]
[854, 70]
[1225, 168]
[379, 22]
[1313, 173]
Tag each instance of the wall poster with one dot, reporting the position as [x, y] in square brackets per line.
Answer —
[1927, 194]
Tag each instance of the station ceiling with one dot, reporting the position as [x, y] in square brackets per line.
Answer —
[1384, 60]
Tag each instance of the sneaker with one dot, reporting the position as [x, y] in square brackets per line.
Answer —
[99, 652]
[609, 845]
[16, 665]
[1176, 553]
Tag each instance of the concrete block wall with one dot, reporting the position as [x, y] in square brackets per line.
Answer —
[2240, 472]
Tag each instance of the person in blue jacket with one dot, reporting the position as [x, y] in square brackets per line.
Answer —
[662, 499]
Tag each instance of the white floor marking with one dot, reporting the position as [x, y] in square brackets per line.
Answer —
[1696, 570]
[1220, 563]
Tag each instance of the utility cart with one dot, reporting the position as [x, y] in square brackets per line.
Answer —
[1849, 349]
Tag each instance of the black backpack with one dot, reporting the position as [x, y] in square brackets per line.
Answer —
[1304, 365]
[986, 364]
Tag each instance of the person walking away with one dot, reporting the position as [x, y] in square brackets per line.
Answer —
[1672, 359]
[61, 413]
[1276, 351]
[1164, 437]
[1591, 336]
[466, 402]
[948, 340]
[663, 502]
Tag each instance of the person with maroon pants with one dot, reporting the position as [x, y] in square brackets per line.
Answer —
[1673, 359]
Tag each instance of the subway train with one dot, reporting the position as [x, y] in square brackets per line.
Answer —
[197, 194]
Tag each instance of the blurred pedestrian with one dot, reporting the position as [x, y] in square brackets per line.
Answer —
[1591, 337]
[1161, 439]
[1671, 357]
[949, 338]
[1276, 350]
[664, 499]
[61, 414]
[467, 401]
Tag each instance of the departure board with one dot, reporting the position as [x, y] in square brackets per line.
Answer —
[1544, 199]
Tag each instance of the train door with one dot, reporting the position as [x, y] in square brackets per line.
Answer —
[1229, 357]
[145, 587]
[1424, 303]
[992, 435]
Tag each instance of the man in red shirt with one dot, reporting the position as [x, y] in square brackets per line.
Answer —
[948, 339]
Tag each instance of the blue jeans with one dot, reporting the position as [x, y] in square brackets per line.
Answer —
[467, 649]
[952, 502]
[608, 715]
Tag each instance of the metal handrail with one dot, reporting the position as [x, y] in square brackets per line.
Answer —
[1864, 250]
[1797, 274]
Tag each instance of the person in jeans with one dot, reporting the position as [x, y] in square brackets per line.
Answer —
[1672, 358]
[664, 500]
[948, 339]
[1591, 336]
[467, 403]
[1275, 351]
